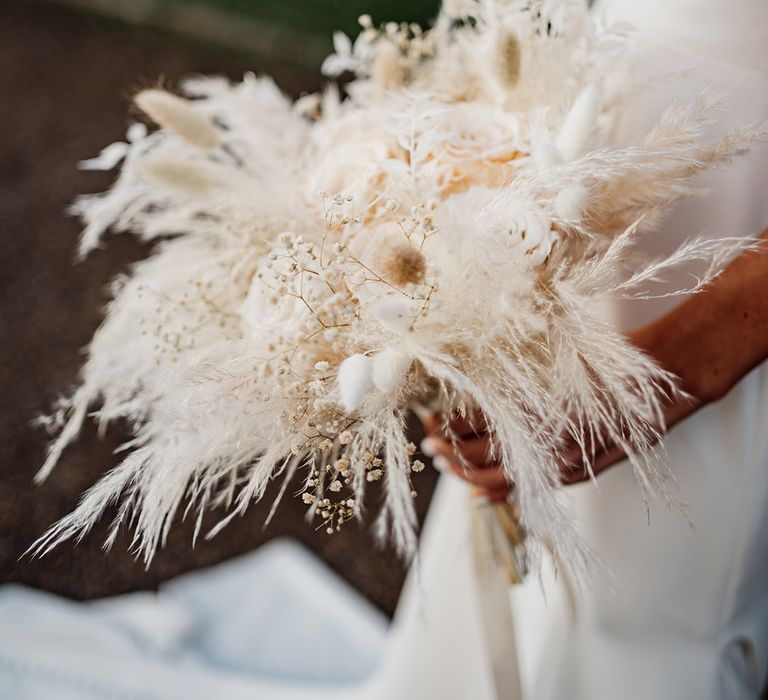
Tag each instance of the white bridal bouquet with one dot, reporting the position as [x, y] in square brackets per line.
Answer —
[439, 231]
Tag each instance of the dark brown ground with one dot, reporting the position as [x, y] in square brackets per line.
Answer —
[65, 80]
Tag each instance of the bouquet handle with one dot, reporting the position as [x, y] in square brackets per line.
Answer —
[500, 562]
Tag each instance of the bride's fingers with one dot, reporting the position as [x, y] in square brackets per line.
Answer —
[461, 426]
[489, 479]
[473, 450]
[468, 426]
[432, 422]
[493, 495]
[572, 466]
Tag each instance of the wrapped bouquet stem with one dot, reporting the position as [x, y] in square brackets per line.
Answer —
[443, 228]
[501, 538]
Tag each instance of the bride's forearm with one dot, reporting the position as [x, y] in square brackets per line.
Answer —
[717, 336]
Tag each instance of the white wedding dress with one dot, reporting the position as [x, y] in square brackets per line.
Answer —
[683, 614]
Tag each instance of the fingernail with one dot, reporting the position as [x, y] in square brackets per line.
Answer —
[428, 447]
[441, 464]
[423, 414]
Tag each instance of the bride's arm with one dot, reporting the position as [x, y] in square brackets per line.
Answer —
[710, 342]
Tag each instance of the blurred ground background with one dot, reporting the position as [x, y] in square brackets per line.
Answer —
[66, 77]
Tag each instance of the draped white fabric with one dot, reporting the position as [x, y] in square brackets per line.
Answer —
[275, 624]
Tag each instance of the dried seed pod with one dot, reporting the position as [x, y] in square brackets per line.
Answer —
[402, 264]
[180, 173]
[508, 57]
[178, 115]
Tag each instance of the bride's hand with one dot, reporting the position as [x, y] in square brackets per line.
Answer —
[710, 342]
[467, 457]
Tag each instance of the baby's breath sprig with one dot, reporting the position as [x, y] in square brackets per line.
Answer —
[329, 490]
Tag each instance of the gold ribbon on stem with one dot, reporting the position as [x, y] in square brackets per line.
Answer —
[500, 538]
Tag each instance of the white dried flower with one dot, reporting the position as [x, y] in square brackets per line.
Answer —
[178, 115]
[458, 9]
[571, 202]
[395, 313]
[181, 173]
[579, 126]
[342, 465]
[355, 382]
[387, 73]
[390, 368]
[335, 486]
[374, 475]
[309, 105]
[417, 466]
[308, 498]
[342, 59]
[345, 437]
[108, 159]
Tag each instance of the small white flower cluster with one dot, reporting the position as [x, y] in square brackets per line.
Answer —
[335, 508]
[333, 514]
